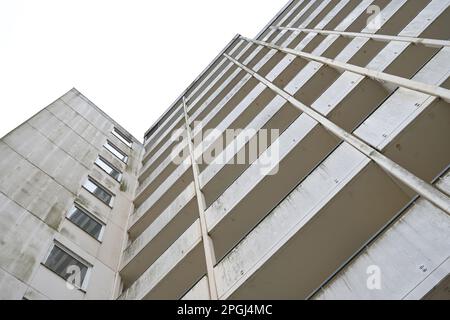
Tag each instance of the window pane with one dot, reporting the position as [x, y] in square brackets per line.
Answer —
[99, 192]
[116, 152]
[62, 263]
[122, 137]
[109, 169]
[85, 222]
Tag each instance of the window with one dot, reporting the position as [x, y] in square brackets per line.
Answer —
[122, 137]
[98, 191]
[115, 151]
[66, 265]
[108, 168]
[85, 221]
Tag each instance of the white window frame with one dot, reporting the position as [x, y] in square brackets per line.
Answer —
[99, 185]
[108, 142]
[119, 179]
[122, 137]
[90, 215]
[75, 256]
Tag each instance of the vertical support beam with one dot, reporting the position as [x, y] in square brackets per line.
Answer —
[423, 188]
[206, 239]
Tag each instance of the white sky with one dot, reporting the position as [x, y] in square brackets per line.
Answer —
[131, 58]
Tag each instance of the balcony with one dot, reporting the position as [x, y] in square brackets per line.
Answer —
[161, 155]
[241, 196]
[160, 199]
[174, 272]
[413, 256]
[411, 127]
[164, 139]
[159, 236]
[162, 172]
[340, 197]
[312, 231]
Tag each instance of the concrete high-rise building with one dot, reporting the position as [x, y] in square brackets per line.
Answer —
[67, 181]
[311, 162]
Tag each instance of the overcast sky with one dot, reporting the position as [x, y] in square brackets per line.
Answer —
[131, 58]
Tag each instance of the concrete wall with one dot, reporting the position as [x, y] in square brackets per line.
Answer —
[43, 165]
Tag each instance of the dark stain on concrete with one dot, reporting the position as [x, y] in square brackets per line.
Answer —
[54, 216]
[123, 186]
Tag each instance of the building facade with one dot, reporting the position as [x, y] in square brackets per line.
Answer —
[67, 179]
[311, 162]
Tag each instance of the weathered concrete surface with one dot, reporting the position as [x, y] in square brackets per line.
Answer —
[160, 235]
[348, 100]
[198, 292]
[408, 254]
[314, 230]
[43, 165]
[175, 271]
[333, 204]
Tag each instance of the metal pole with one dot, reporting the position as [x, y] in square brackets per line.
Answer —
[207, 241]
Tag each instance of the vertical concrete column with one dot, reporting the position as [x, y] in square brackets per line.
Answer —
[206, 239]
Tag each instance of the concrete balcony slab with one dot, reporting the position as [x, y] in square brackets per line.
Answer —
[159, 235]
[174, 272]
[341, 199]
[408, 254]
